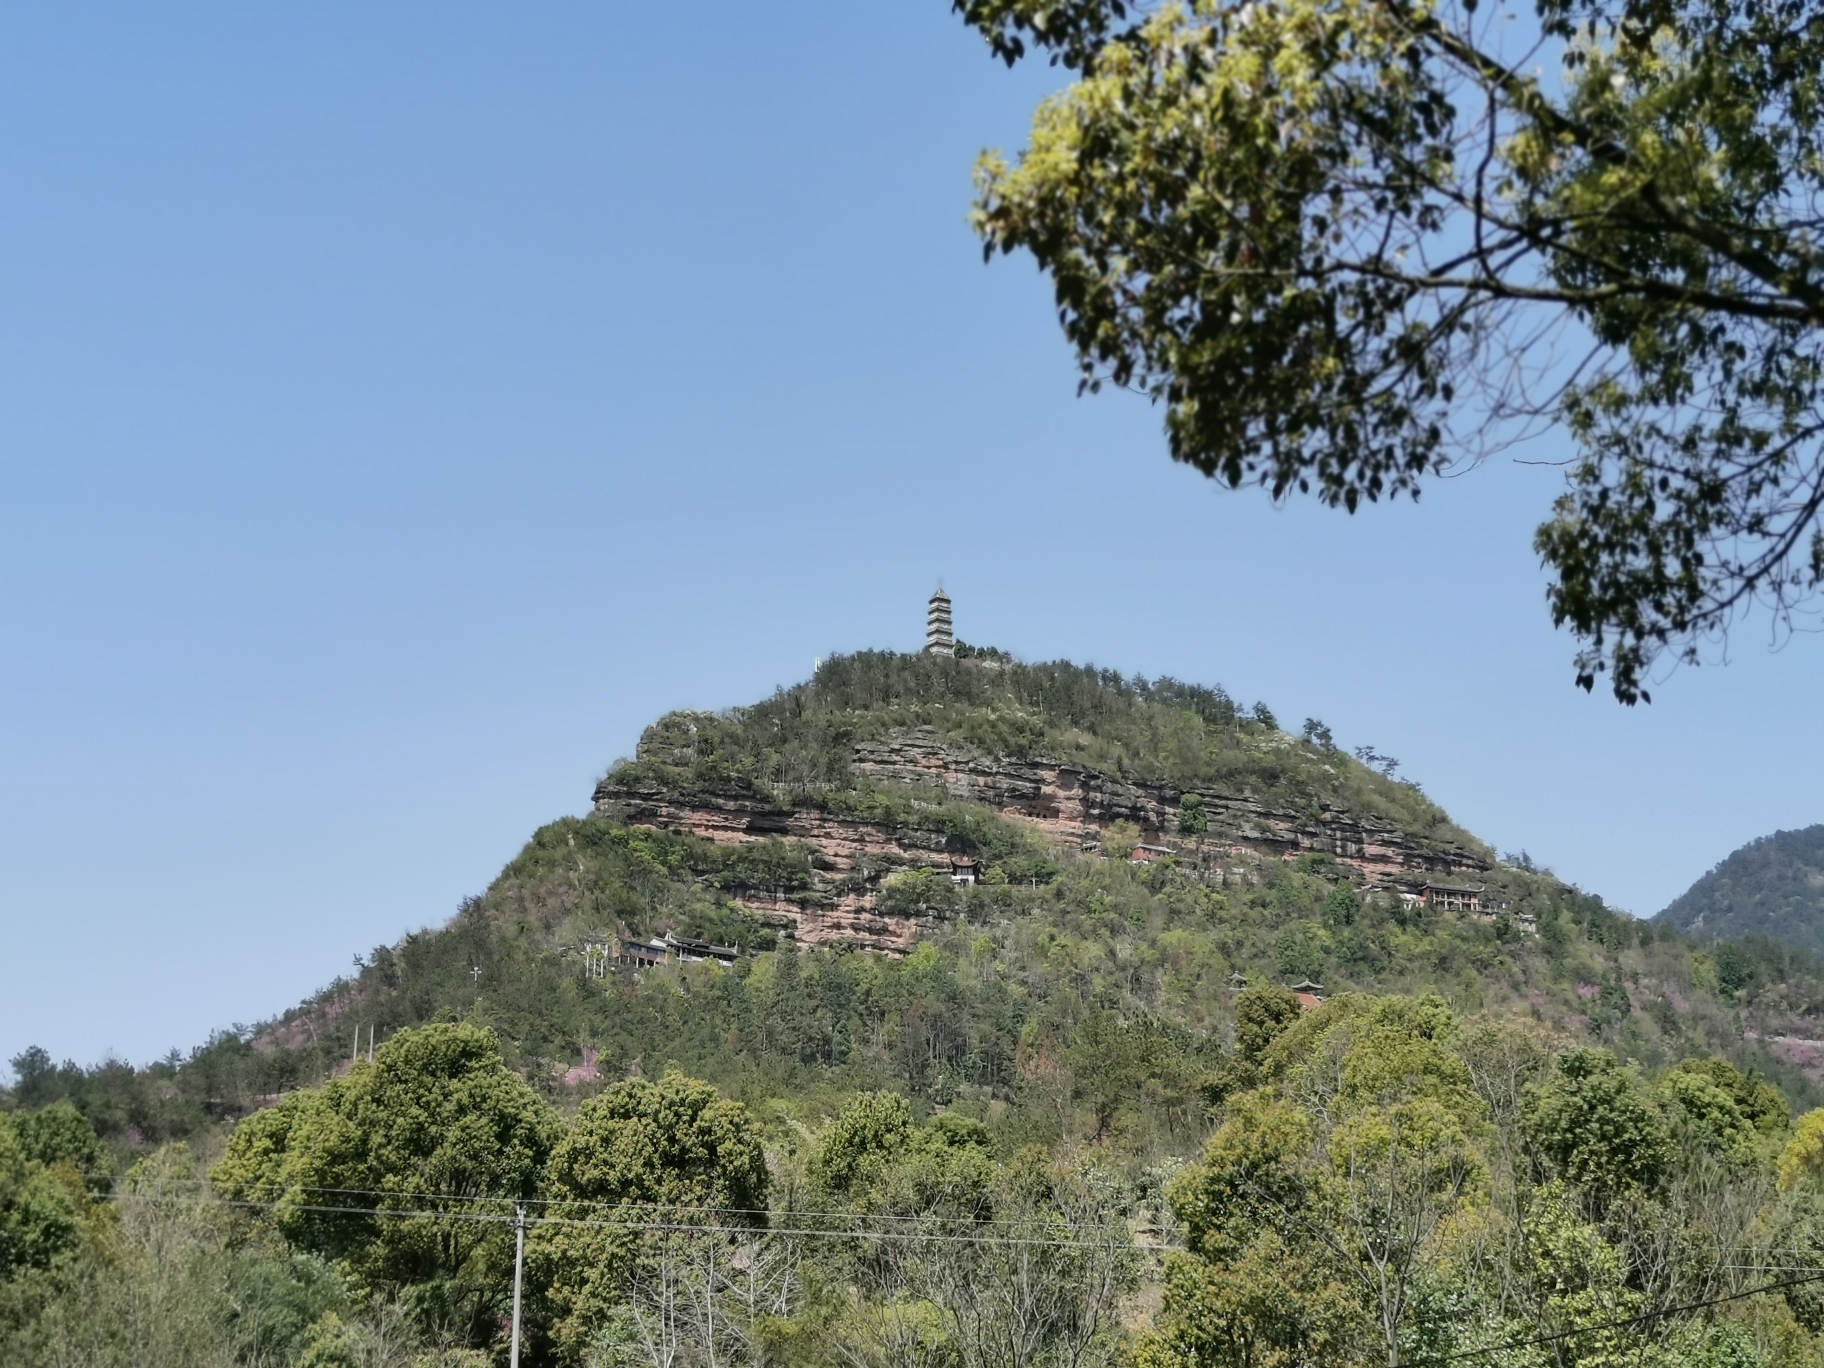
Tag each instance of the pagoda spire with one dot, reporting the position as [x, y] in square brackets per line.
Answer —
[938, 640]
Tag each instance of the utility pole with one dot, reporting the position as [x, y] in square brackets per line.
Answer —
[519, 1274]
[370, 1043]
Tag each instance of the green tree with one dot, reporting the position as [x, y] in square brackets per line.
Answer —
[1758, 1100]
[1300, 949]
[167, 1278]
[405, 1171]
[860, 1142]
[1577, 1278]
[59, 1134]
[1319, 234]
[1120, 1067]
[1593, 1121]
[642, 1153]
[1120, 838]
[873, 1158]
[1612, 996]
[1735, 967]
[1319, 1216]
[1193, 820]
[1705, 1116]
[40, 1219]
[149, 1290]
[1343, 905]
[1262, 1012]
[1049, 1290]
[1803, 1156]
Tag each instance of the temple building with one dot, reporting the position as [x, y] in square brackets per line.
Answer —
[938, 638]
[1452, 897]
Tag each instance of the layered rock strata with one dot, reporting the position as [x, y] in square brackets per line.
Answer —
[1075, 804]
[1070, 804]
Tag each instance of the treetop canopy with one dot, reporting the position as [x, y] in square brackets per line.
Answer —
[1350, 244]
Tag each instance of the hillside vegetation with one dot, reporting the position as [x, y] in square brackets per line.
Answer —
[1057, 1047]
[1772, 887]
[797, 746]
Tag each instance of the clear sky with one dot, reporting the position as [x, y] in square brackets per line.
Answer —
[401, 405]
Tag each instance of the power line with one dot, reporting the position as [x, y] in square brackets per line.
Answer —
[629, 1205]
[676, 1227]
[1813, 1275]
[1805, 1276]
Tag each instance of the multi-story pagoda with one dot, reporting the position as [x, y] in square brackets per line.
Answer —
[938, 639]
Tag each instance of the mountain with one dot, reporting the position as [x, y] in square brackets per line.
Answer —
[1025, 891]
[939, 1005]
[1772, 887]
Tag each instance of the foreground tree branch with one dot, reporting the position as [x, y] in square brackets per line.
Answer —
[1324, 235]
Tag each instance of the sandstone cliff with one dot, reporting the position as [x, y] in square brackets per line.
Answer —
[1071, 805]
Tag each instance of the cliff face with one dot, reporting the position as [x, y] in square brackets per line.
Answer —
[1072, 806]
[1078, 805]
[849, 859]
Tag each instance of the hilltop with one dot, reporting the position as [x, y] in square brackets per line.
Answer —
[885, 763]
[1773, 886]
[1025, 891]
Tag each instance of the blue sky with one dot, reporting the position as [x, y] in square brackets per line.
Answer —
[402, 405]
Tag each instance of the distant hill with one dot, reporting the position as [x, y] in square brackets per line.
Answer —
[1770, 887]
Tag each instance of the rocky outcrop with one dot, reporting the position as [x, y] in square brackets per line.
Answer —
[849, 860]
[1072, 805]
[1076, 804]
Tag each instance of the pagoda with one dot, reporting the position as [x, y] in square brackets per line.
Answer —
[938, 639]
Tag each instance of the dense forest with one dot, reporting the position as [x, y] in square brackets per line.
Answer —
[1095, 1055]
[1771, 887]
